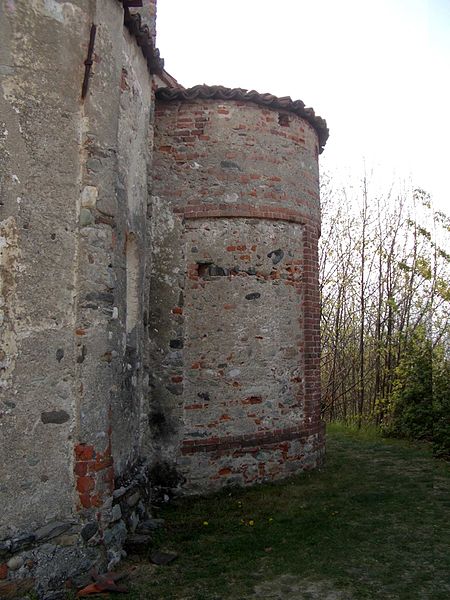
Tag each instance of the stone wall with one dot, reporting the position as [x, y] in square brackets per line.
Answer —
[170, 343]
[74, 188]
[234, 306]
[41, 121]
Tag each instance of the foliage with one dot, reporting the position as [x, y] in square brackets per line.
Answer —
[411, 410]
[441, 403]
[420, 399]
[385, 311]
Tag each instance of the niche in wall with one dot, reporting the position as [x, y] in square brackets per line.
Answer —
[132, 263]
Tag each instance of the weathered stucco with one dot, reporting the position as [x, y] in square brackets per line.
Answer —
[74, 187]
[158, 309]
[40, 119]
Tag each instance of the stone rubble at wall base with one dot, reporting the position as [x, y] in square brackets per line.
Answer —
[61, 555]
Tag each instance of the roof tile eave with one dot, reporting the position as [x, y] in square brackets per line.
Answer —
[219, 92]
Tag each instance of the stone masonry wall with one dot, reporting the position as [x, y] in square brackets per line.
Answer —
[171, 341]
[73, 233]
[234, 307]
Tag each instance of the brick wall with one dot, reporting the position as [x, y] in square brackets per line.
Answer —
[234, 307]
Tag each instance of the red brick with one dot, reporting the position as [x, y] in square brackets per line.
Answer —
[252, 400]
[81, 468]
[85, 484]
[84, 452]
[85, 500]
[225, 471]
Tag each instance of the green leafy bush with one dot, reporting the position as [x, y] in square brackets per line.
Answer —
[441, 403]
[420, 399]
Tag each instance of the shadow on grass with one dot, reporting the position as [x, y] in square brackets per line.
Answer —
[371, 524]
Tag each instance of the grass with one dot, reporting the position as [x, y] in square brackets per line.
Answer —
[373, 523]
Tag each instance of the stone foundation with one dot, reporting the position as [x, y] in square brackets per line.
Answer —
[60, 555]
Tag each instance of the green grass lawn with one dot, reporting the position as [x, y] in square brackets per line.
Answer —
[372, 523]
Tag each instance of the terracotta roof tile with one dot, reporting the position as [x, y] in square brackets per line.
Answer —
[133, 22]
[218, 92]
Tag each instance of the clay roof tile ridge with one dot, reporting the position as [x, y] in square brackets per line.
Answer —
[220, 92]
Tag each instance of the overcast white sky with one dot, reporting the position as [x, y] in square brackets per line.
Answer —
[377, 70]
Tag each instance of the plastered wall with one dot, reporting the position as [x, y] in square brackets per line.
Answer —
[73, 232]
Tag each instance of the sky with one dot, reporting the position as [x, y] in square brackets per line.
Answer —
[378, 71]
